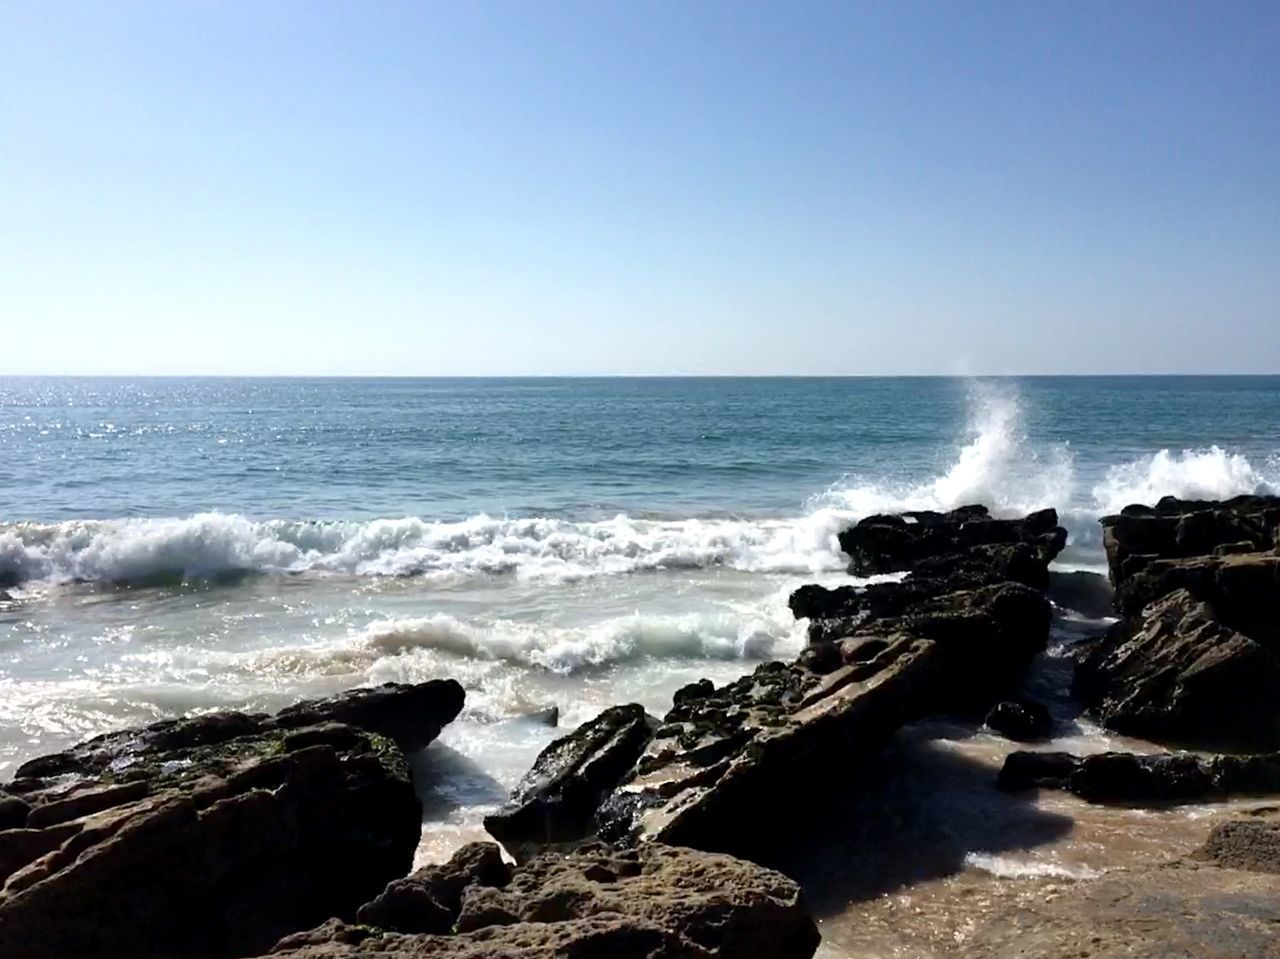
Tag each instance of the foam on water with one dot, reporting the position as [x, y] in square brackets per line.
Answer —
[1007, 867]
[996, 464]
[1211, 473]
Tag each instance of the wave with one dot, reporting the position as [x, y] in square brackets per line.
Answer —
[216, 545]
[1211, 473]
[1006, 867]
[996, 463]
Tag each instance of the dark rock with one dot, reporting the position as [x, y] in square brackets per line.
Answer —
[1020, 719]
[410, 715]
[557, 799]
[13, 811]
[1176, 528]
[1183, 675]
[429, 900]
[886, 544]
[761, 742]
[1089, 594]
[1140, 779]
[546, 716]
[207, 837]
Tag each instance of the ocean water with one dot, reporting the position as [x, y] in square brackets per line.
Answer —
[175, 545]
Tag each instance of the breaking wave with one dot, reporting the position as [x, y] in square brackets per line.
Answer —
[996, 463]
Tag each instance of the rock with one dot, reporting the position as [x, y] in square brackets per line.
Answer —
[1020, 719]
[763, 741]
[724, 905]
[887, 544]
[1183, 910]
[557, 799]
[211, 836]
[1140, 779]
[657, 900]
[409, 715]
[13, 811]
[1183, 675]
[1181, 528]
[604, 937]
[1251, 844]
[429, 900]
[1089, 594]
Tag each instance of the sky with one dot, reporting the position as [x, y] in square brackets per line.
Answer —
[502, 188]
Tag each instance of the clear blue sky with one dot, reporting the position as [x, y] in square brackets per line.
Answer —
[644, 187]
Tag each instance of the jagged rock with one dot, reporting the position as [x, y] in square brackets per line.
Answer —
[1130, 778]
[1182, 675]
[429, 900]
[557, 799]
[1020, 719]
[1181, 528]
[887, 544]
[1243, 589]
[595, 901]
[601, 937]
[1251, 844]
[767, 738]
[410, 715]
[210, 836]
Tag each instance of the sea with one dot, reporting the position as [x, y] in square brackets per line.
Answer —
[172, 546]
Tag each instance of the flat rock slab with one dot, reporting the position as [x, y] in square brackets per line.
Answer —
[1185, 910]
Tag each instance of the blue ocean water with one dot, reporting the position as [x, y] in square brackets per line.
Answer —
[179, 545]
[585, 448]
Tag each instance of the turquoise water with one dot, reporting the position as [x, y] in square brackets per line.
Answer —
[179, 545]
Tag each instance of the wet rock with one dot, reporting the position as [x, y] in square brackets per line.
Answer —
[1024, 720]
[1183, 675]
[430, 899]
[557, 799]
[1089, 594]
[411, 715]
[1176, 528]
[887, 544]
[222, 832]
[595, 901]
[13, 811]
[761, 742]
[1142, 779]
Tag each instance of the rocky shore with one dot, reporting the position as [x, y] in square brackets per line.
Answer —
[236, 835]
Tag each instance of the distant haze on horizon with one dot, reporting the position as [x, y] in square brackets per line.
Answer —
[559, 188]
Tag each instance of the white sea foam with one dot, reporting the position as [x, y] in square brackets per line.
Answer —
[997, 465]
[213, 544]
[1006, 867]
[1212, 473]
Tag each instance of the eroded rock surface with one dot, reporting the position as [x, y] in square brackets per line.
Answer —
[653, 901]
[211, 836]
[557, 799]
[1196, 655]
